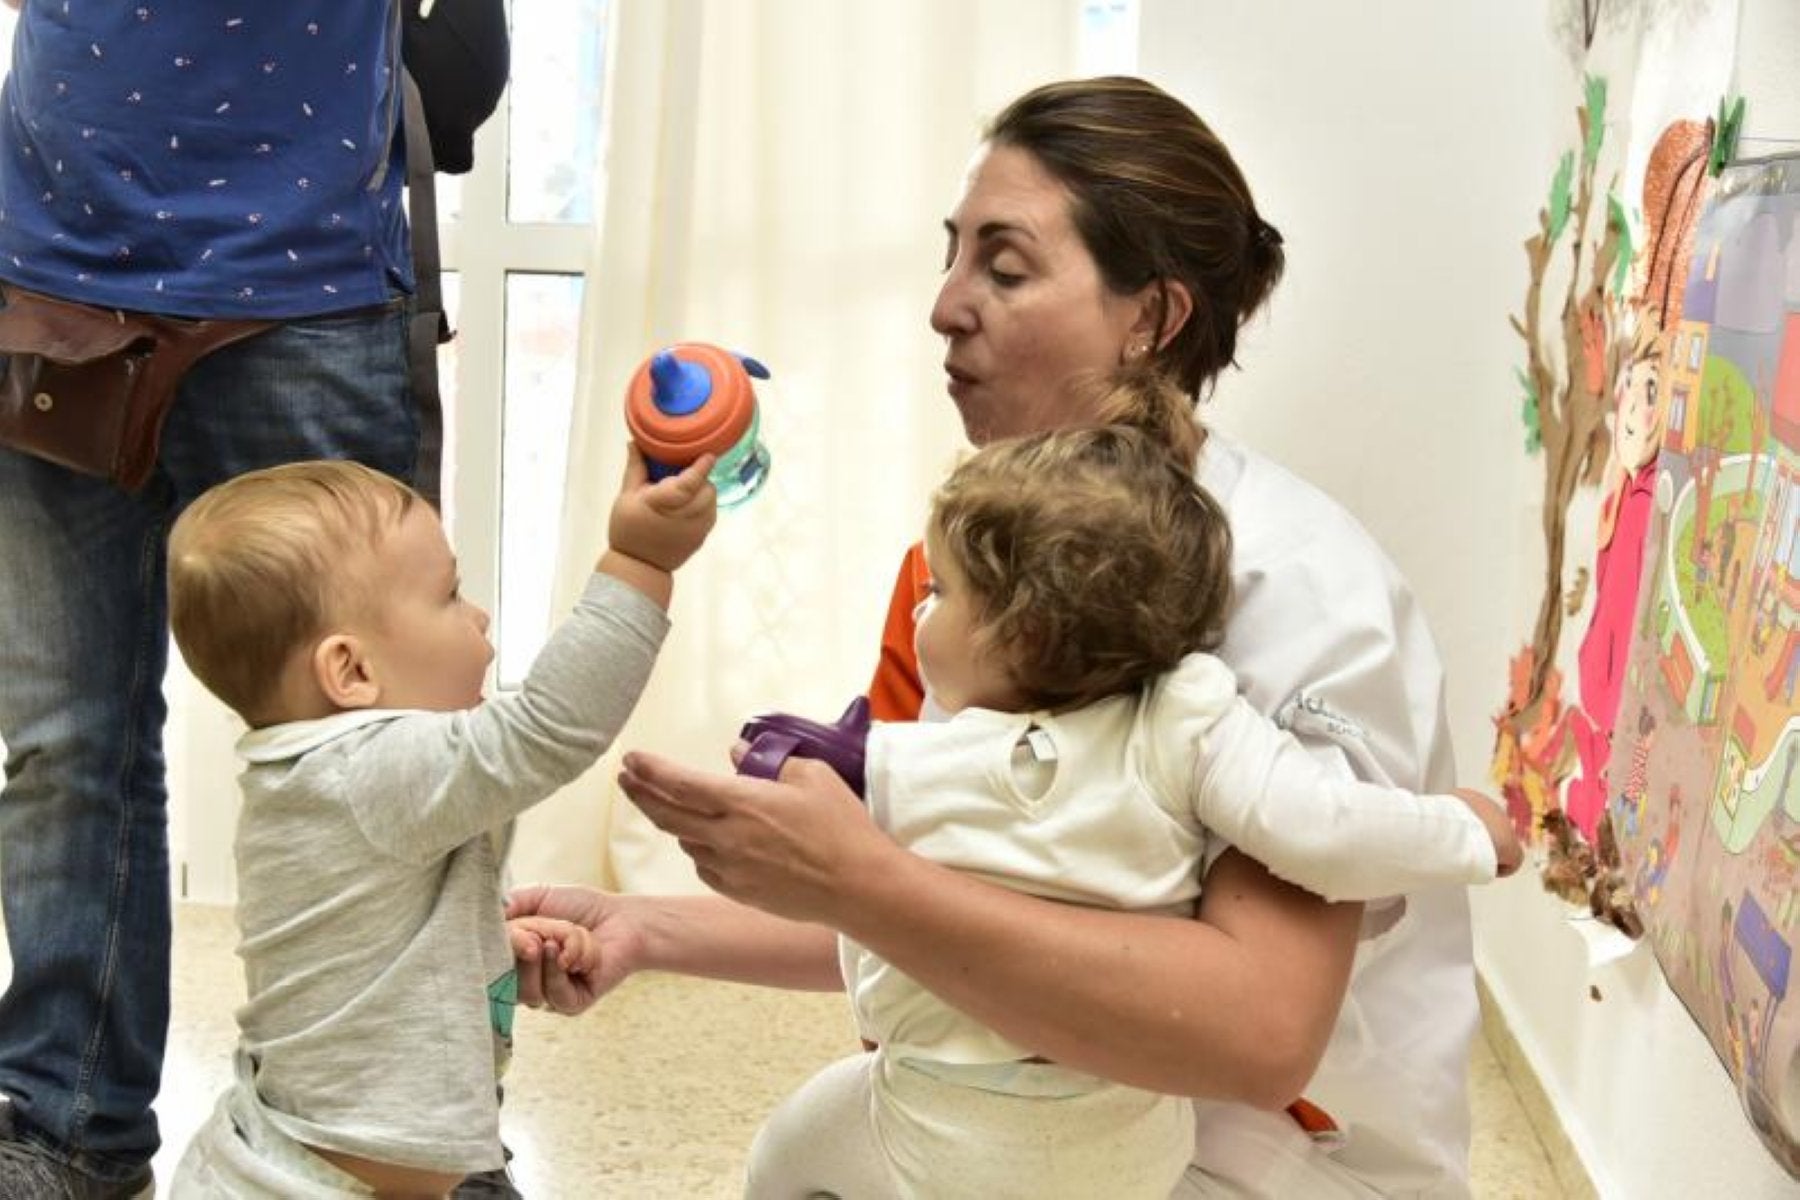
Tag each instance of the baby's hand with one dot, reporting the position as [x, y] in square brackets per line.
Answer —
[1508, 853]
[662, 523]
[569, 945]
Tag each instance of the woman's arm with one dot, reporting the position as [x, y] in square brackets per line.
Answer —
[708, 936]
[1236, 1006]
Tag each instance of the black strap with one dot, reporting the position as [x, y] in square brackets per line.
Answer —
[430, 327]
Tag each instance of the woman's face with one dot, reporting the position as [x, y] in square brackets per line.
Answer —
[1025, 315]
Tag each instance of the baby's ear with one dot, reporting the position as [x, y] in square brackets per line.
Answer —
[340, 666]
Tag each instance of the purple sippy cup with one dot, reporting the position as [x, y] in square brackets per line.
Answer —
[774, 737]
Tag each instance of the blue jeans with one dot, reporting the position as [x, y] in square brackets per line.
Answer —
[84, 856]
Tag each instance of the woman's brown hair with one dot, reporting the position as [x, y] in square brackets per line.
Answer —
[1157, 199]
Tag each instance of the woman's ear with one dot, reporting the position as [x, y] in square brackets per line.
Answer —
[1167, 308]
[341, 668]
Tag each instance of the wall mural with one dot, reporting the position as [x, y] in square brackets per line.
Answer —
[1649, 740]
[1704, 808]
[1606, 268]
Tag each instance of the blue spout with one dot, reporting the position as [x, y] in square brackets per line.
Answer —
[678, 387]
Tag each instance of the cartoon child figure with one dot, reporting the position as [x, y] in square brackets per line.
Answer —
[1630, 808]
[1624, 521]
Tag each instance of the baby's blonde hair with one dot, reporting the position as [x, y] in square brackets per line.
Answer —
[1095, 559]
[261, 563]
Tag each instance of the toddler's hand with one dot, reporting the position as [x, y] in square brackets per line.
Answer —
[569, 945]
[1508, 853]
[662, 523]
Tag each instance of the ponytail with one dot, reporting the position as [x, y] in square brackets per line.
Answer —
[1140, 396]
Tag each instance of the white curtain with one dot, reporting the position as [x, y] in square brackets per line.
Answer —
[775, 182]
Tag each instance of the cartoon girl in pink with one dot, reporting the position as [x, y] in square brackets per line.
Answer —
[1618, 568]
[1674, 189]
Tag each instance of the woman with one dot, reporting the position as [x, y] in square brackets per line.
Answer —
[1101, 222]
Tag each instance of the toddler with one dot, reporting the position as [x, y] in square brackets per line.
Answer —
[321, 602]
[1094, 753]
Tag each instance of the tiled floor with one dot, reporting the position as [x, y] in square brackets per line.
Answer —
[657, 1092]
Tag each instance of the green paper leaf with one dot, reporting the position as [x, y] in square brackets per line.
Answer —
[1621, 221]
[1559, 195]
[1596, 119]
[1725, 134]
[1528, 412]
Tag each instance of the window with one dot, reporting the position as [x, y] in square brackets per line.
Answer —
[1107, 38]
[517, 232]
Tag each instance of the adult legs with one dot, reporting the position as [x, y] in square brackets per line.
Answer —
[83, 643]
[83, 850]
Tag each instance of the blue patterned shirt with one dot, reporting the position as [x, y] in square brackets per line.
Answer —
[234, 158]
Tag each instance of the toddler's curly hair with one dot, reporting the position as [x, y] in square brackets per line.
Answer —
[1096, 559]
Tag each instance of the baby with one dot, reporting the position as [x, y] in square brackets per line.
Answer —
[321, 602]
[1095, 754]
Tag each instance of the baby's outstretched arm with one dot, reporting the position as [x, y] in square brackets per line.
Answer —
[464, 771]
[1344, 839]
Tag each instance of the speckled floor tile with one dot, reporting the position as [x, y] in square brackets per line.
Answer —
[1520, 1096]
[654, 1093]
[657, 1092]
[1507, 1161]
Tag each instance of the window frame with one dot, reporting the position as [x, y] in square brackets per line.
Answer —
[482, 247]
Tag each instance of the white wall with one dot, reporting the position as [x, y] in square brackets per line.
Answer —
[1404, 148]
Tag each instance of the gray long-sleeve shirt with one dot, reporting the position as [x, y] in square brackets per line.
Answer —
[381, 986]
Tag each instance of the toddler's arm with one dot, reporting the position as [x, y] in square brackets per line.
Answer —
[426, 784]
[1341, 838]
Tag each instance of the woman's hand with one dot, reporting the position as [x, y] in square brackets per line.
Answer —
[788, 847]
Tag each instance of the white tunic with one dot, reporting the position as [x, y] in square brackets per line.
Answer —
[1113, 805]
[1117, 805]
[1326, 636]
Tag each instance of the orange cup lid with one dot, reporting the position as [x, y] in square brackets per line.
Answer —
[690, 399]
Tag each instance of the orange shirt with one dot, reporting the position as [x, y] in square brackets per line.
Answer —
[896, 693]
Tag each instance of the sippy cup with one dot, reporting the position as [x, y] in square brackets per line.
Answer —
[695, 398]
[776, 737]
